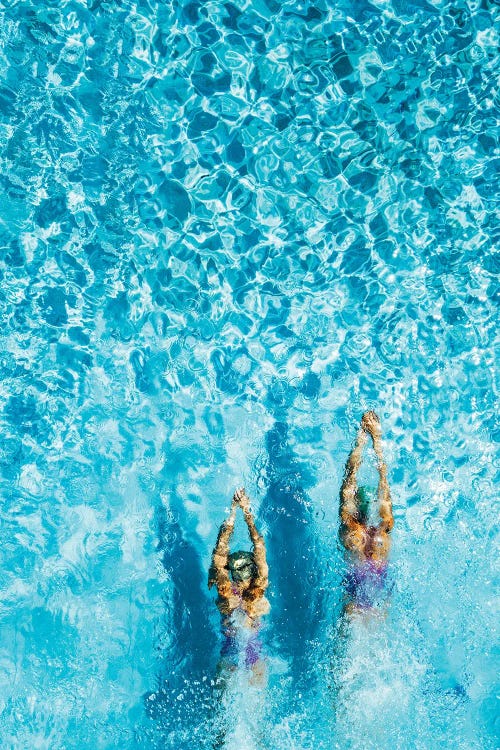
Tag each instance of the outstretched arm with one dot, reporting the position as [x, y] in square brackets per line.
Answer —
[371, 424]
[348, 500]
[383, 492]
[218, 573]
[259, 547]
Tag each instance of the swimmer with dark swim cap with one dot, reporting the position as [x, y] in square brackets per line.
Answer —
[366, 582]
[241, 579]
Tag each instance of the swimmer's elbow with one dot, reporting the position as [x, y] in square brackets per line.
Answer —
[262, 580]
[388, 524]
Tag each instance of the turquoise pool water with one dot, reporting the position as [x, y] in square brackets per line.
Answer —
[228, 228]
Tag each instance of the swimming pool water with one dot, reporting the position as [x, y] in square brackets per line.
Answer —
[227, 228]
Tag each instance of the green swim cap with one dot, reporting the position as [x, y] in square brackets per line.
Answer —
[364, 496]
[241, 566]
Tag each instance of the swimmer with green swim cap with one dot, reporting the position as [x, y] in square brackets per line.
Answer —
[241, 579]
[367, 544]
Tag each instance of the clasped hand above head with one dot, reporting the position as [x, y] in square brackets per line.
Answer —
[241, 499]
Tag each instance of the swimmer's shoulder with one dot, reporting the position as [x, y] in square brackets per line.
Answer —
[353, 538]
[258, 607]
[227, 604]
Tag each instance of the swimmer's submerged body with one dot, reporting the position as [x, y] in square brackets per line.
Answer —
[366, 583]
[241, 579]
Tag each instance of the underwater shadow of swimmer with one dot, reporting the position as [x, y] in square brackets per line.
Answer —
[189, 664]
[292, 545]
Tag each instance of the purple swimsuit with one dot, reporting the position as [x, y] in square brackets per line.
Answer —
[234, 644]
[366, 583]
[239, 639]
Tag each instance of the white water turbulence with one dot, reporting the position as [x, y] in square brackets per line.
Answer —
[241, 718]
